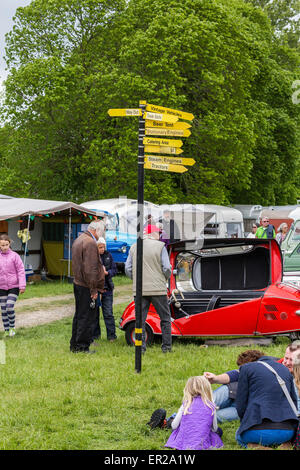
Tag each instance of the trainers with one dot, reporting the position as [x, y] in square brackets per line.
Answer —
[12, 332]
[6, 333]
[157, 418]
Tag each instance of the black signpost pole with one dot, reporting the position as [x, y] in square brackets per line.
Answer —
[139, 251]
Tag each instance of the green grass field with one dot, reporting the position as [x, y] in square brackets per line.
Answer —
[53, 399]
[57, 287]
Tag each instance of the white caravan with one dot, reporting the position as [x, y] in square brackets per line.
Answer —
[227, 222]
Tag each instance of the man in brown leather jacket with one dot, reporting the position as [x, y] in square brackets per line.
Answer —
[88, 280]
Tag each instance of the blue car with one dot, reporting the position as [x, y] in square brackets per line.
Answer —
[119, 251]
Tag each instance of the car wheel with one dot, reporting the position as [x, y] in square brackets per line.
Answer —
[130, 334]
[295, 335]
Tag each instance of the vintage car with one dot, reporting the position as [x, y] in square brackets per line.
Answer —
[225, 287]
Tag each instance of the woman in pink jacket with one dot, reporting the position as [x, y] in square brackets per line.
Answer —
[12, 282]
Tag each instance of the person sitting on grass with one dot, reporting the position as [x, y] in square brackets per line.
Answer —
[195, 426]
[296, 372]
[266, 417]
[224, 396]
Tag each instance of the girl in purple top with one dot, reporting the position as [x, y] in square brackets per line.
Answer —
[195, 426]
[12, 282]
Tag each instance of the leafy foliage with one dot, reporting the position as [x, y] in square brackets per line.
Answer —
[72, 60]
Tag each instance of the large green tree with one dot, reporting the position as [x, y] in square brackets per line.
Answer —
[72, 60]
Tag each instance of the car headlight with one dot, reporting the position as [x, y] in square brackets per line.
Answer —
[123, 249]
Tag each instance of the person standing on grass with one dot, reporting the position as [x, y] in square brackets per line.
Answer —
[156, 272]
[282, 233]
[88, 281]
[105, 299]
[253, 230]
[266, 230]
[12, 283]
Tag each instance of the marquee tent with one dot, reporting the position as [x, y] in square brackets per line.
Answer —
[27, 208]
[19, 207]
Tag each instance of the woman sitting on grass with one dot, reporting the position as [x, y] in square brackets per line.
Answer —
[266, 417]
[195, 426]
[12, 282]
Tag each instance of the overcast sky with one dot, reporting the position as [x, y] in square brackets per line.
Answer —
[7, 11]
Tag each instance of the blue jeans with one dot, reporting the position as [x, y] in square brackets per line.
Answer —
[227, 410]
[105, 301]
[264, 437]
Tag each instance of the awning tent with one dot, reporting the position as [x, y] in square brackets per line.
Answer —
[20, 207]
[27, 208]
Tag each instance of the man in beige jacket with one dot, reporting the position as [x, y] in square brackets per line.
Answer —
[156, 272]
[88, 280]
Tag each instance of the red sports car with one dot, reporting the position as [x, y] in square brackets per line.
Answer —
[225, 287]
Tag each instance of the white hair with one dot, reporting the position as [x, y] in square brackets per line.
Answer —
[98, 225]
[281, 227]
[101, 241]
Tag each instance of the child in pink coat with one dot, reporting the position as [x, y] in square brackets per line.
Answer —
[12, 282]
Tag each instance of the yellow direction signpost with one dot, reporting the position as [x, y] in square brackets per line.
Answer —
[161, 121]
[158, 149]
[160, 117]
[168, 125]
[162, 142]
[168, 132]
[125, 112]
[165, 167]
[171, 112]
[169, 160]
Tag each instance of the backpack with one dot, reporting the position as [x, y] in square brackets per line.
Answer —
[270, 231]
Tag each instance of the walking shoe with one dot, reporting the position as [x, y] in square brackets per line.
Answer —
[12, 332]
[168, 423]
[157, 418]
[84, 351]
[6, 333]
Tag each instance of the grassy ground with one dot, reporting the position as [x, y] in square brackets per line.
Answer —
[57, 287]
[52, 399]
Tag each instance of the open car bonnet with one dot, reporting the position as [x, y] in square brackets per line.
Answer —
[231, 263]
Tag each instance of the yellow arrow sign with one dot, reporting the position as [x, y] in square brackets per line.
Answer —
[165, 167]
[168, 125]
[125, 112]
[170, 160]
[160, 117]
[162, 142]
[158, 149]
[172, 112]
[168, 132]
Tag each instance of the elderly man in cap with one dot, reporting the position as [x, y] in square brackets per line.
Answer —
[156, 272]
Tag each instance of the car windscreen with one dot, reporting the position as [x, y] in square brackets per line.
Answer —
[234, 230]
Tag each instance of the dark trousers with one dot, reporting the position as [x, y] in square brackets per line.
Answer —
[83, 321]
[106, 301]
[160, 303]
